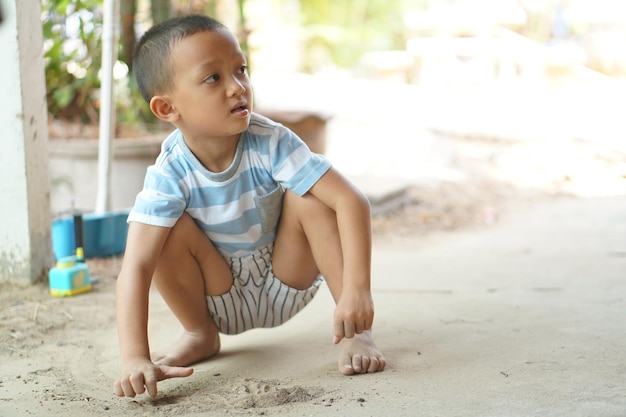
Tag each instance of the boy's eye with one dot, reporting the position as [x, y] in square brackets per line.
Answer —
[212, 78]
[243, 69]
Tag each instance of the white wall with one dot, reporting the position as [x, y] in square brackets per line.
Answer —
[25, 247]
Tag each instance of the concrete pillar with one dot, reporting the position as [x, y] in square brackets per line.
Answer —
[25, 246]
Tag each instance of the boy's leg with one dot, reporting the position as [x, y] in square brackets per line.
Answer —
[307, 244]
[188, 269]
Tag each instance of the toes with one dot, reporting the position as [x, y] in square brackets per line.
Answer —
[377, 364]
[360, 355]
[374, 364]
[346, 370]
[357, 363]
[382, 363]
[345, 365]
[361, 364]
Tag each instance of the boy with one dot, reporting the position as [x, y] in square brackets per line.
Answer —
[237, 218]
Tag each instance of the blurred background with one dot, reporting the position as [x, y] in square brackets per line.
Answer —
[399, 94]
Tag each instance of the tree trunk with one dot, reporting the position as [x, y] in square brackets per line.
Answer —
[128, 8]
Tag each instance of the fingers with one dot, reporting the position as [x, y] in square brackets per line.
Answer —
[138, 383]
[362, 326]
[339, 332]
[151, 387]
[348, 330]
[117, 388]
[168, 372]
[134, 384]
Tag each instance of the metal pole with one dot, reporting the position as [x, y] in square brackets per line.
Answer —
[107, 105]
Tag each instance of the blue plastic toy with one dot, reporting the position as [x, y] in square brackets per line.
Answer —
[70, 275]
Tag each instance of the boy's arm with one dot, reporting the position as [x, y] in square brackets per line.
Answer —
[143, 246]
[355, 310]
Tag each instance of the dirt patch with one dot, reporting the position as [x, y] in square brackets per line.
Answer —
[241, 396]
[446, 207]
[254, 394]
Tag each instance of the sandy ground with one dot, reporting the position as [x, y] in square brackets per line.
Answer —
[59, 355]
[495, 297]
[523, 318]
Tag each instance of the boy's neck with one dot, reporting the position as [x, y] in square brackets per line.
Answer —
[216, 155]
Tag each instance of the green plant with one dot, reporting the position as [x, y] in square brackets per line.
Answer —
[73, 57]
[72, 50]
[342, 31]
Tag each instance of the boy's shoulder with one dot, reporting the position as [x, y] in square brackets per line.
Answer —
[263, 125]
[264, 132]
[170, 148]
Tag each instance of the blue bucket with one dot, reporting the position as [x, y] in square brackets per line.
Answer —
[103, 235]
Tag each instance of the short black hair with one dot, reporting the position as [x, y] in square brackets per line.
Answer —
[151, 59]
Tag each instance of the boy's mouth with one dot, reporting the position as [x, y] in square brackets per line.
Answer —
[240, 109]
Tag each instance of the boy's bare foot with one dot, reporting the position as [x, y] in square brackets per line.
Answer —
[189, 349]
[360, 355]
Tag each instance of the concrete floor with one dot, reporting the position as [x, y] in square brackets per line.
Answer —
[521, 319]
[525, 319]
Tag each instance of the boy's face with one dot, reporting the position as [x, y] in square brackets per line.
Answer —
[211, 96]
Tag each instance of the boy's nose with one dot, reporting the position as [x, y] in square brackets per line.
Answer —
[237, 88]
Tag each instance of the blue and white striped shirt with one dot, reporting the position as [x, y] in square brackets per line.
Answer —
[238, 208]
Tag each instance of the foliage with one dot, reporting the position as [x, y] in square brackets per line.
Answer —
[338, 31]
[348, 28]
[73, 57]
[72, 49]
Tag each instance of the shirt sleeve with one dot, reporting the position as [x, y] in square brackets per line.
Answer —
[294, 165]
[161, 202]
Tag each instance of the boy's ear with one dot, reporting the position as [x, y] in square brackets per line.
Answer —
[163, 109]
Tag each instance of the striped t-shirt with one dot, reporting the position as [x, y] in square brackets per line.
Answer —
[238, 208]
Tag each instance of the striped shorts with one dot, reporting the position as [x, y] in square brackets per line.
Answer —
[257, 298]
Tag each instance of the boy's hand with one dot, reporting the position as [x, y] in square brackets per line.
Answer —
[354, 314]
[143, 375]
